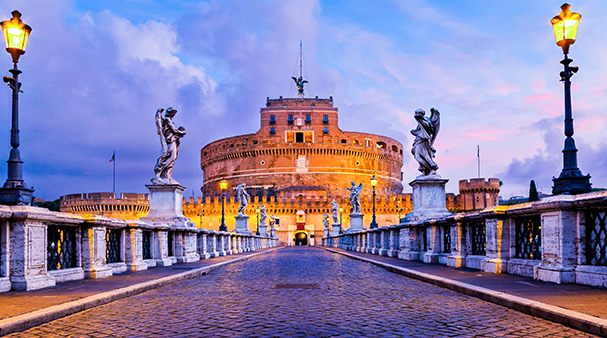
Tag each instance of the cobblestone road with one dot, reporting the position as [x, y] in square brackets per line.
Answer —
[256, 298]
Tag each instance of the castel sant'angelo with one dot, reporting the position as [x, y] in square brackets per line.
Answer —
[295, 164]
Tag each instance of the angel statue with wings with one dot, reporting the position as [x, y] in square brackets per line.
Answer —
[354, 201]
[423, 146]
[169, 146]
[300, 84]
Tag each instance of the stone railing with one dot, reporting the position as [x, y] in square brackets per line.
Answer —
[560, 239]
[39, 248]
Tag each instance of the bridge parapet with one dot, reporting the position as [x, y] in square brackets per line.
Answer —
[41, 248]
[559, 239]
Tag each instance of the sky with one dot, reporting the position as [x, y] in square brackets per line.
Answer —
[95, 72]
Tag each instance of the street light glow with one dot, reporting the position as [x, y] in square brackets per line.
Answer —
[15, 35]
[565, 27]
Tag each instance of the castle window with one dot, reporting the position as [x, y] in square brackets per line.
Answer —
[395, 148]
[308, 119]
[272, 119]
[325, 119]
[343, 140]
[368, 142]
[355, 142]
[272, 131]
[290, 119]
[299, 137]
[325, 130]
[380, 144]
[254, 141]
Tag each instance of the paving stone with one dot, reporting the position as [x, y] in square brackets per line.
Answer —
[354, 299]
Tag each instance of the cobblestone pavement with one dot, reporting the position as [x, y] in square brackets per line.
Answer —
[301, 291]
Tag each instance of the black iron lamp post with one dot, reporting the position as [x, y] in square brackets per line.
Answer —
[571, 179]
[15, 191]
[373, 184]
[200, 214]
[223, 185]
[341, 225]
[257, 211]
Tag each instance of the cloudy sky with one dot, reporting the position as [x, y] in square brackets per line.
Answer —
[96, 71]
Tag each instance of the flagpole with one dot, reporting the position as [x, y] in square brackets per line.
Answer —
[478, 156]
[114, 176]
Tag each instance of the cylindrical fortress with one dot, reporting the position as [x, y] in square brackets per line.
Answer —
[300, 147]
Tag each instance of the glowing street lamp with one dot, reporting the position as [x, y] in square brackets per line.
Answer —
[257, 211]
[565, 27]
[373, 184]
[571, 179]
[341, 225]
[15, 191]
[223, 185]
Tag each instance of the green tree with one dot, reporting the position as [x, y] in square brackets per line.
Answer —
[533, 195]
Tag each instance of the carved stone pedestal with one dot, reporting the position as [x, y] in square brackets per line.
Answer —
[242, 225]
[166, 206]
[429, 198]
[356, 223]
[336, 229]
[263, 230]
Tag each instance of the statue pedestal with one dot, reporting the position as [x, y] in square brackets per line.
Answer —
[242, 225]
[336, 229]
[166, 206]
[263, 230]
[356, 223]
[429, 198]
[273, 232]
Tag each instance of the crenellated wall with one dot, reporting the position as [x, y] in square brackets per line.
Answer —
[478, 193]
[129, 206]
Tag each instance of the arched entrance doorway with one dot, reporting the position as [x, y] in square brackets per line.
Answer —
[301, 238]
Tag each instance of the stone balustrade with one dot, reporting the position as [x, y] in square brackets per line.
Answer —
[559, 239]
[39, 248]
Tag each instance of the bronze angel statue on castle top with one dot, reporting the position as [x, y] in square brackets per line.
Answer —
[169, 146]
[425, 135]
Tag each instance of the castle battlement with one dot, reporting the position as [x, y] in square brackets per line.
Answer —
[478, 193]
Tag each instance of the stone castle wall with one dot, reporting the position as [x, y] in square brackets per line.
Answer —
[478, 193]
[129, 206]
[206, 213]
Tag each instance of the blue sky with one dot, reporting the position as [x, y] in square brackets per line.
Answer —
[96, 71]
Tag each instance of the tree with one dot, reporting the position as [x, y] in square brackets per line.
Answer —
[533, 195]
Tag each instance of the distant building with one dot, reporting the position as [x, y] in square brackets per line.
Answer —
[126, 206]
[300, 154]
[478, 193]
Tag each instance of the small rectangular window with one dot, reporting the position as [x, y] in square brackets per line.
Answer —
[272, 119]
[325, 119]
[272, 131]
[290, 119]
[308, 119]
[325, 130]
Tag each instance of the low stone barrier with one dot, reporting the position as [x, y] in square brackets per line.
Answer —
[39, 248]
[559, 239]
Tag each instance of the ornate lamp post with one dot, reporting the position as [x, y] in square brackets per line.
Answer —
[15, 191]
[223, 185]
[571, 179]
[257, 211]
[373, 184]
[341, 225]
[200, 214]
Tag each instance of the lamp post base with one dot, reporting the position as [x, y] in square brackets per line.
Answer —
[571, 183]
[16, 196]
